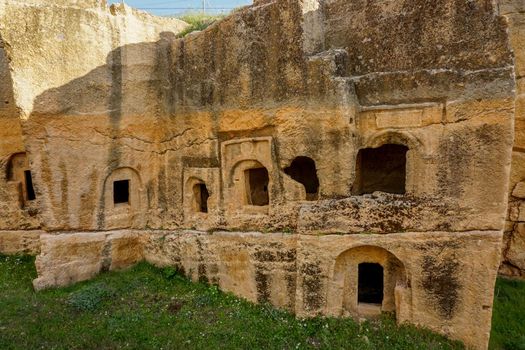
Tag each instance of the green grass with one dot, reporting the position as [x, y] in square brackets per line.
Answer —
[150, 308]
[197, 21]
[508, 320]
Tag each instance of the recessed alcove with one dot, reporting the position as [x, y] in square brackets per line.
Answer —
[125, 202]
[257, 181]
[18, 171]
[201, 196]
[304, 171]
[364, 282]
[121, 192]
[381, 169]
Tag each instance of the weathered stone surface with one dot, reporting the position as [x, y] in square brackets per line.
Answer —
[137, 82]
[75, 257]
[515, 14]
[59, 58]
[437, 273]
[369, 132]
[511, 6]
[517, 39]
[521, 212]
[63, 21]
[516, 252]
[20, 242]
[125, 250]
[14, 213]
[519, 190]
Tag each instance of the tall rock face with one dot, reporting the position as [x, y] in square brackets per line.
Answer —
[371, 140]
[65, 40]
[14, 214]
[76, 68]
[514, 240]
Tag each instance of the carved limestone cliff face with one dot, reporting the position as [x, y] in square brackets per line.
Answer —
[173, 111]
[376, 137]
[514, 240]
[46, 45]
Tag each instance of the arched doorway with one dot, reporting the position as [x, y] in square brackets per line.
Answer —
[18, 170]
[124, 203]
[249, 187]
[365, 282]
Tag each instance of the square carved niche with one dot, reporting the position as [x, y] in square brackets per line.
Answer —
[248, 174]
[201, 198]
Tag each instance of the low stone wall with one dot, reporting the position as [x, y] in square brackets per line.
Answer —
[20, 242]
[440, 280]
[69, 258]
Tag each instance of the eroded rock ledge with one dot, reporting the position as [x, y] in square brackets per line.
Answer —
[427, 276]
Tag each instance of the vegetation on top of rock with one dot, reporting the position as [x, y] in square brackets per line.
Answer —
[197, 22]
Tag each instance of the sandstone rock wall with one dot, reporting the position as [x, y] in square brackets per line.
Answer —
[74, 257]
[173, 111]
[50, 44]
[14, 213]
[514, 248]
[68, 39]
[20, 242]
[364, 132]
[439, 280]
[310, 275]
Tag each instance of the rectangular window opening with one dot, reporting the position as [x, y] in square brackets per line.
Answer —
[370, 283]
[381, 169]
[257, 186]
[30, 190]
[121, 192]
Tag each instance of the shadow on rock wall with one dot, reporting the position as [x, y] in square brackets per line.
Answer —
[88, 128]
[7, 99]
[15, 211]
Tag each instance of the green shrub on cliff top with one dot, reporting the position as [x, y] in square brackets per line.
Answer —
[197, 22]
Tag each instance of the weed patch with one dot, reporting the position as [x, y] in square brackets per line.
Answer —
[90, 297]
[508, 319]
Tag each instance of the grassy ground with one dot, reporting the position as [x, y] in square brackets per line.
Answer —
[148, 308]
[508, 320]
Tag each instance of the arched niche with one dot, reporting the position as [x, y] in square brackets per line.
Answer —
[381, 169]
[397, 137]
[353, 271]
[304, 171]
[124, 199]
[197, 196]
[390, 161]
[250, 183]
[19, 173]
